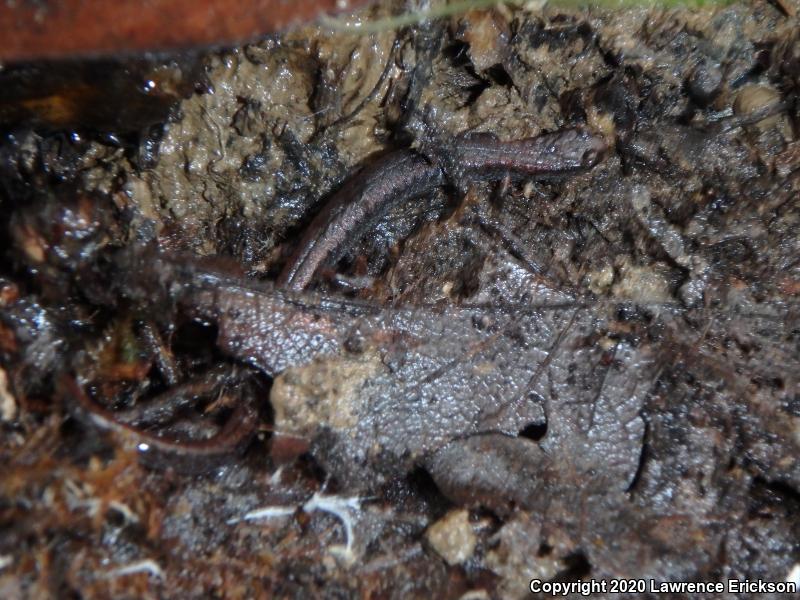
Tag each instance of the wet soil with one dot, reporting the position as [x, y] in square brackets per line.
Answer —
[590, 375]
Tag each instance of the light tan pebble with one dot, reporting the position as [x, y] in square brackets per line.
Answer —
[8, 405]
[753, 99]
[475, 595]
[487, 33]
[452, 537]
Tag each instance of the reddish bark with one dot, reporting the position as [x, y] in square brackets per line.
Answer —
[63, 28]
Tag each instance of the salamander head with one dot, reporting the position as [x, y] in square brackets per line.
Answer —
[580, 149]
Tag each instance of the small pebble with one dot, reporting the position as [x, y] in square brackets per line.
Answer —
[754, 99]
[452, 537]
[8, 405]
[704, 83]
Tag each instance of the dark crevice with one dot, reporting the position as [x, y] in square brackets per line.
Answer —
[534, 431]
[644, 456]
[577, 566]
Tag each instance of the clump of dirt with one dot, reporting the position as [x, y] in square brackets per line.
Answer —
[590, 375]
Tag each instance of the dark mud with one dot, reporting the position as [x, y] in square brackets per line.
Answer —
[590, 375]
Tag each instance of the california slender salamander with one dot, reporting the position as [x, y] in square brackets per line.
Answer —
[395, 177]
[404, 174]
[185, 456]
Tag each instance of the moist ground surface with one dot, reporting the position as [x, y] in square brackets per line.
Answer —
[593, 375]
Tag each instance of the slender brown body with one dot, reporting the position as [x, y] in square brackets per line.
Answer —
[484, 156]
[398, 176]
[404, 174]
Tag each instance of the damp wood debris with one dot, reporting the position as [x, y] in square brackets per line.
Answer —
[428, 309]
